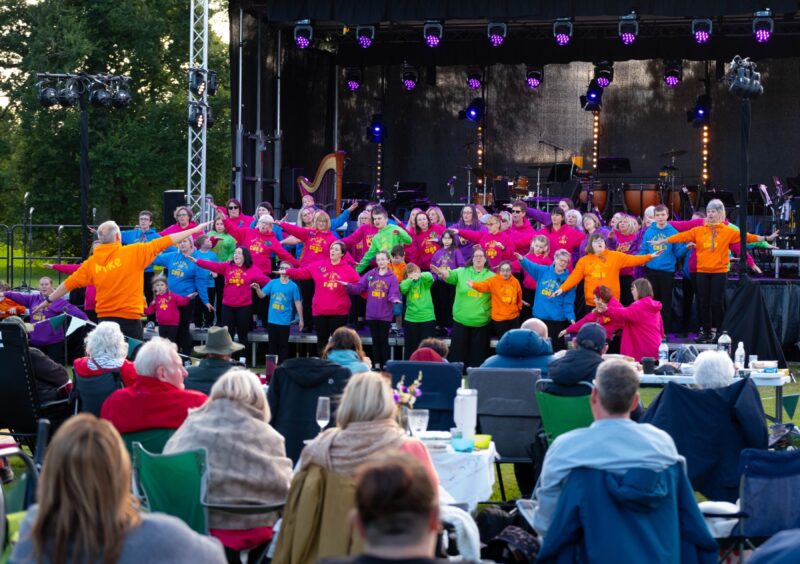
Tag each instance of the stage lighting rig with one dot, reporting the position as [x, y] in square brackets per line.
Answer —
[67, 96]
[700, 114]
[100, 97]
[432, 32]
[763, 25]
[673, 72]
[592, 101]
[365, 35]
[534, 76]
[410, 76]
[376, 130]
[496, 32]
[562, 31]
[475, 110]
[352, 78]
[744, 81]
[701, 30]
[48, 97]
[628, 28]
[474, 78]
[604, 73]
[303, 34]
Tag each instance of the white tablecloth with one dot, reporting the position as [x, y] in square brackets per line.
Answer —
[467, 476]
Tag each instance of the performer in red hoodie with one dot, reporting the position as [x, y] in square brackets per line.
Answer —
[642, 328]
[602, 295]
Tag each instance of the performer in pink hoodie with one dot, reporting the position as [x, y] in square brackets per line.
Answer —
[642, 328]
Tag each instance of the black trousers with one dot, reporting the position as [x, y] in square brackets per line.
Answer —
[168, 332]
[469, 345]
[238, 321]
[148, 292]
[688, 305]
[379, 331]
[711, 298]
[662, 282]
[184, 336]
[325, 325]
[625, 293]
[553, 329]
[219, 287]
[203, 317]
[499, 328]
[129, 327]
[444, 295]
[529, 296]
[307, 293]
[414, 333]
[278, 340]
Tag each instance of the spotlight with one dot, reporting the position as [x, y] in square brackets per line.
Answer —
[209, 118]
[592, 101]
[474, 78]
[100, 98]
[432, 31]
[673, 72]
[48, 97]
[534, 77]
[352, 78]
[303, 34]
[67, 97]
[197, 81]
[763, 25]
[121, 97]
[562, 31]
[410, 76]
[196, 116]
[604, 73]
[700, 114]
[628, 28]
[701, 30]
[365, 35]
[212, 85]
[474, 111]
[376, 131]
[496, 32]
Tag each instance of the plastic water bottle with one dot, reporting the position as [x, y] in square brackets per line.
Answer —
[663, 352]
[724, 343]
[738, 358]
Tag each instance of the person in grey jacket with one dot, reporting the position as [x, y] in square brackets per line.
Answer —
[86, 512]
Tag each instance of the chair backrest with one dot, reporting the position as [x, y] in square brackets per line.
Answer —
[153, 440]
[507, 408]
[19, 403]
[769, 491]
[92, 392]
[174, 484]
[561, 414]
[440, 380]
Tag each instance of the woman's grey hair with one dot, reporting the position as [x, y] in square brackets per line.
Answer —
[716, 205]
[242, 386]
[106, 340]
[713, 369]
[154, 353]
[265, 218]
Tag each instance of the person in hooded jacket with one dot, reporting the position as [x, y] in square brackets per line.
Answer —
[345, 348]
[292, 397]
[579, 364]
[642, 328]
[523, 348]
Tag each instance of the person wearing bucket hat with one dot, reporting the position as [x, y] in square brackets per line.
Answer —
[217, 360]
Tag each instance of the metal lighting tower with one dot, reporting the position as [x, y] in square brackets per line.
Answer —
[198, 60]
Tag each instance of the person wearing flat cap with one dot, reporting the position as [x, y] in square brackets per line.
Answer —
[580, 363]
[217, 360]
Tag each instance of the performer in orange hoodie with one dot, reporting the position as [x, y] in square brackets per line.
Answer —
[506, 294]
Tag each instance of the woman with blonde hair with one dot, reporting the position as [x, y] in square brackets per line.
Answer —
[247, 461]
[436, 216]
[183, 220]
[86, 513]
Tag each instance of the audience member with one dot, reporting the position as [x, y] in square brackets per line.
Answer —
[106, 351]
[344, 348]
[86, 513]
[613, 442]
[246, 461]
[580, 363]
[782, 548]
[527, 347]
[438, 346]
[217, 352]
[713, 369]
[157, 400]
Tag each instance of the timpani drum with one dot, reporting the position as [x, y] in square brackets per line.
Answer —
[599, 196]
[675, 198]
[639, 197]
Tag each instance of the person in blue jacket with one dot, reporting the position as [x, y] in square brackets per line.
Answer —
[660, 271]
[558, 312]
[144, 233]
[184, 277]
[526, 347]
[203, 317]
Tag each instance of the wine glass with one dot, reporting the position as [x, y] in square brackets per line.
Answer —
[323, 412]
[418, 420]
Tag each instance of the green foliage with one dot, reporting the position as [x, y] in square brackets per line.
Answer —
[135, 153]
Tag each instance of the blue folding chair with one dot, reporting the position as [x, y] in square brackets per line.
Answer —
[440, 380]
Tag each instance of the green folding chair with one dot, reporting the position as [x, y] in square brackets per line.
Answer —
[153, 440]
[561, 414]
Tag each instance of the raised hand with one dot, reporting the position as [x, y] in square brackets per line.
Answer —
[562, 333]
[519, 256]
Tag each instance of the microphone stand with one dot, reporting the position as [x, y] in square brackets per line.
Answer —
[24, 285]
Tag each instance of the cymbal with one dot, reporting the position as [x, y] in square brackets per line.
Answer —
[674, 153]
[482, 172]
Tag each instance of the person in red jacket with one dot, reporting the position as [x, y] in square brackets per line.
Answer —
[165, 307]
[157, 399]
[642, 327]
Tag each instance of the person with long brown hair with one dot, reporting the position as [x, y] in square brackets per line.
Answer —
[345, 348]
[86, 513]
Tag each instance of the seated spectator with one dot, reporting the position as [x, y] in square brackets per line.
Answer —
[580, 363]
[613, 442]
[425, 354]
[439, 348]
[315, 521]
[782, 548]
[217, 352]
[106, 351]
[713, 369]
[234, 426]
[157, 399]
[397, 513]
[86, 513]
[344, 348]
[527, 347]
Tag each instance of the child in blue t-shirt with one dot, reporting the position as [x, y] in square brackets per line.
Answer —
[283, 293]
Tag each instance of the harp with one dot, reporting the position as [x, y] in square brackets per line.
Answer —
[326, 188]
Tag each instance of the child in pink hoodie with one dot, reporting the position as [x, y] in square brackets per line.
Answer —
[165, 307]
[642, 328]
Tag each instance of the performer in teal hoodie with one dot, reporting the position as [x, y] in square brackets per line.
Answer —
[558, 312]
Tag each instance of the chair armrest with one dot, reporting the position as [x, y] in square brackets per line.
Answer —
[737, 515]
[58, 403]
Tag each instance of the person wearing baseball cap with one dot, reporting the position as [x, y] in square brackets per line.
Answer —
[580, 363]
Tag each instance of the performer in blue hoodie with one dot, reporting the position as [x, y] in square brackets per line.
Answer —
[558, 312]
[660, 271]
